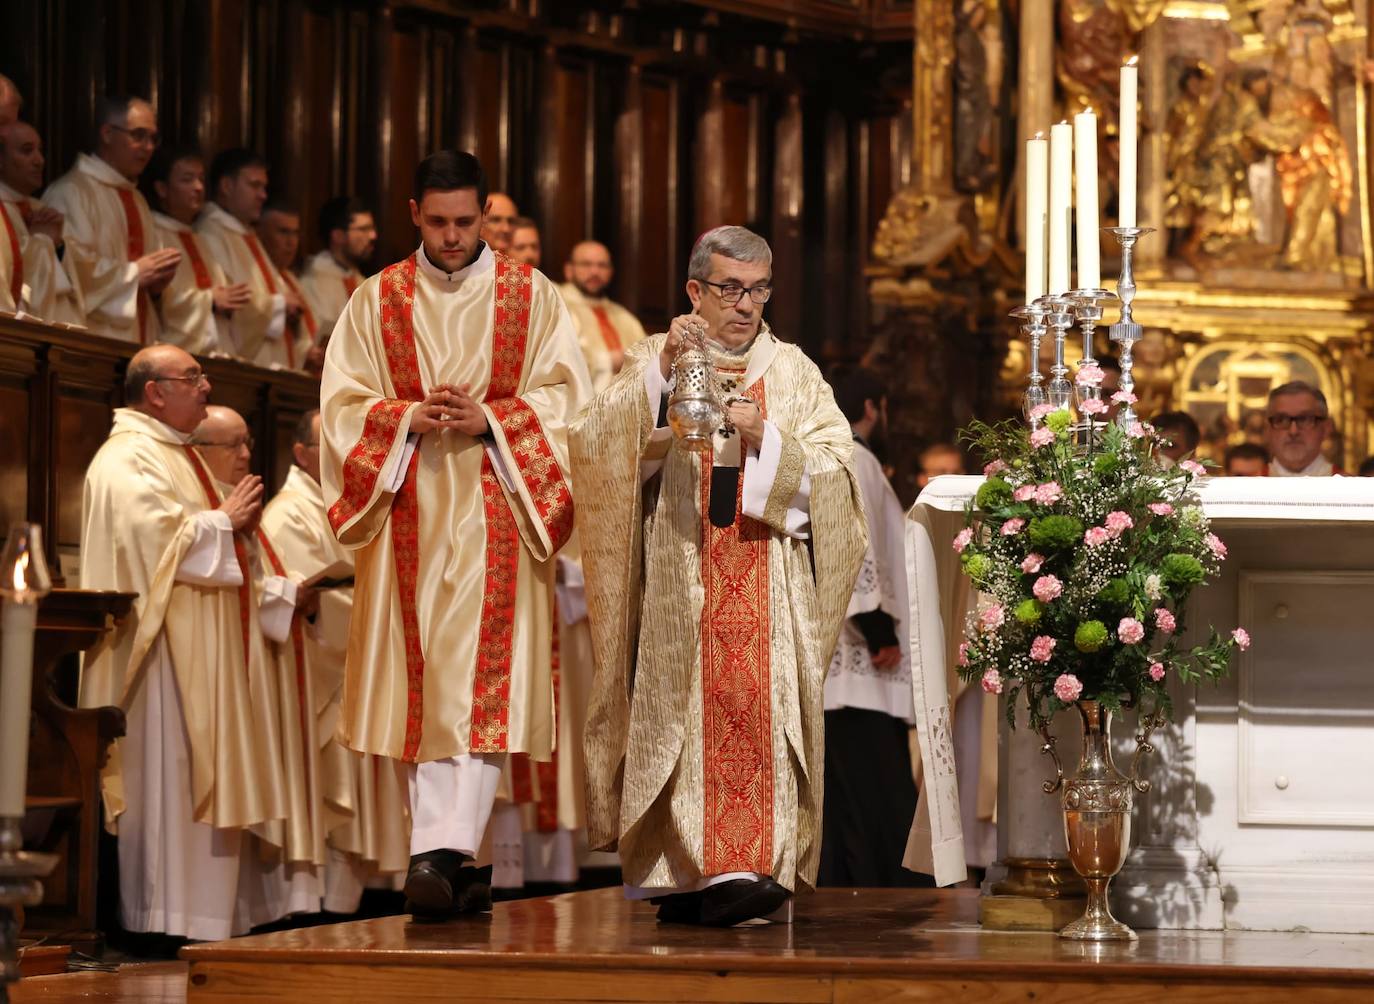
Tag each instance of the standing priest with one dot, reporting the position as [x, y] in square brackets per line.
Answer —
[716, 585]
[448, 388]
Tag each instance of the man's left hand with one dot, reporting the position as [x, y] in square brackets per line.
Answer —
[746, 417]
[463, 413]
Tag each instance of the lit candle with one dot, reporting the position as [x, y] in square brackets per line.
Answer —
[1085, 175]
[1129, 133]
[23, 581]
[1061, 179]
[1037, 191]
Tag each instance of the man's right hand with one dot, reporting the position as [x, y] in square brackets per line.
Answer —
[685, 331]
[230, 298]
[243, 505]
[434, 411]
[155, 270]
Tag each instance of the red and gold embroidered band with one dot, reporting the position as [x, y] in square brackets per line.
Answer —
[198, 266]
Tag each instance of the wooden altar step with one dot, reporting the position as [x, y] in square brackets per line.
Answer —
[845, 947]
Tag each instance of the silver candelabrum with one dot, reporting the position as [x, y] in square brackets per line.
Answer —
[1032, 318]
[1059, 316]
[1087, 309]
[1126, 332]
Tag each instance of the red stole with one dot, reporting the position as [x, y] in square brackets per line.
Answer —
[198, 266]
[17, 276]
[255, 249]
[134, 223]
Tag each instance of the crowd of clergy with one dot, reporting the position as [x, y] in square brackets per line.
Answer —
[265, 773]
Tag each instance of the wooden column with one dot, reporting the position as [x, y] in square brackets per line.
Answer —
[785, 309]
[629, 156]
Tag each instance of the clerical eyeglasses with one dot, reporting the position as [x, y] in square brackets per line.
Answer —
[141, 136]
[731, 293]
[233, 444]
[1304, 422]
[194, 378]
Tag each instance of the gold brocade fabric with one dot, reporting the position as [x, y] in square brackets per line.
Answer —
[360, 800]
[452, 322]
[140, 494]
[641, 552]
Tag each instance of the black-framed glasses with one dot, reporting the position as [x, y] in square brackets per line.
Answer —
[194, 378]
[141, 136]
[731, 293]
[1305, 422]
[233, 444]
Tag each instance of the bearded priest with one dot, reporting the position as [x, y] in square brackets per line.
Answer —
[712, 633]
[448, 388]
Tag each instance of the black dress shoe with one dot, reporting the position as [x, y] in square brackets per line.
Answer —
[429, 887]
[734, 902]
[472, 891]
[679, 908]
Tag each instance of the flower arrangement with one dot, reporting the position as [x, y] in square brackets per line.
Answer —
[1087, 559]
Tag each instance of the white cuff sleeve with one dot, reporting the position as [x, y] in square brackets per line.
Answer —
[123, 302]
[277, 608]
[394, 477]
[277, 325]
[498, 464]
[655, 387]
[210, 561]
[572, 592]
[760, 471]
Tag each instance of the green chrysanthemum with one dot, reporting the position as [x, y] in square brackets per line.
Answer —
[1105, 465]
[1181, 570]
[1090, 636]
[1028, 612]
[1116, 592]
[995, 494]
[1055, 533]
[1059, 419]
[977, 567]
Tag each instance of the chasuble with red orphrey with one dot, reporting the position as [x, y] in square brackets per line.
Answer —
[705, 741]
[449, 650]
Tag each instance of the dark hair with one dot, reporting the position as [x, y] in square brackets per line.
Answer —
[447, 170]
[524, 223]
[1183, 426]
[855, 385]
[1299, 387]
[300, 436]
[1367, 468]
[113, 109]
[1245, 451]
[160, 169]
[228, 164]
[280, 204]
[337, 214]
[136, 377]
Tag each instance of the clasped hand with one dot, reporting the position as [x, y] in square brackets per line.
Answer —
[449, 407]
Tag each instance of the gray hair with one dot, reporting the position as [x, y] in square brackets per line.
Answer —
[737, 243]
[1293, 387]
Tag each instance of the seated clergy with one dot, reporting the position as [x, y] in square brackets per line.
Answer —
[200, 761]
[362, 798]
[117, 255]
[1297, 422]
[524, 244]
[1246, 460]
[283, 876]
[349, 235]
[198, 303]
[41, 281]
[238, 188]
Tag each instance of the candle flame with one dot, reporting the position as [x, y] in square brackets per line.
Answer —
[20, 567]
[1039, 135]
[1134, 60]
[1088, 110]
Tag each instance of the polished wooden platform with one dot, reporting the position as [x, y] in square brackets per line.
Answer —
[857, 947]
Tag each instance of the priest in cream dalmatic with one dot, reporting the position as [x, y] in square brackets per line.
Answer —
[361, 798]
[200, 761]
[448, 386]
[712, 634]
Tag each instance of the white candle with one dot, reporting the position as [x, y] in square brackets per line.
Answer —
[1085, 174]
[1130, 139]
[1037, 192]
[16, 680]
[1061, 175]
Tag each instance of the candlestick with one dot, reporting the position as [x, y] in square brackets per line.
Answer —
[1129, 141]
[1126, 332]
[1032, 316]
[1059, 316]
[1085, 177]
[1037, 192]
[1087, 309]
[1061, 175]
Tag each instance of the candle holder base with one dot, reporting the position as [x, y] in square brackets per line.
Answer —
[20, 872]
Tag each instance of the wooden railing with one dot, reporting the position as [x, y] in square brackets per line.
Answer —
[59, 388]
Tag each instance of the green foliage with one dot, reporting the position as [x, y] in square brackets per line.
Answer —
[1028, 612]
[994, 494]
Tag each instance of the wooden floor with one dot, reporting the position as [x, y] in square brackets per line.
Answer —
[845, 946]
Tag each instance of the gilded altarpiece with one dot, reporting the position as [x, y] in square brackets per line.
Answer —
[1255, 170]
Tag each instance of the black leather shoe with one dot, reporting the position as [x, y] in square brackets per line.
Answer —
[430, 883]
[472, 891]
[734, 902]
[679, 908]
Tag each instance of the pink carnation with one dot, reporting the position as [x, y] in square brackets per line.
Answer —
[1047, 587]
[1124, 397]
[1118, 523]
[963, 653]
[1024, 494]
[1012, 526]
[1215, 545]
[992, 682]
[1161, 508]
[1096, 536]
[1137, 430]
[1089, 376]
[1040, 411]
[1067, 687]
[993, 617]
[963, 539]
[1043, 436]
[1164, 620]
[1093, 406]
[1130, 630]
[994, 468]
[1193, 468]
[1241, 638]
[1156, 671]
[1042, 648]
[1049, 493]
[1032, 562]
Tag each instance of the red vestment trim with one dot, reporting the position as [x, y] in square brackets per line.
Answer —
[255, 249]
[198, 266]
[350, 284]
[736, 696]
[608, 333]
[17, 277]
[240, 553]
[537, 465]
[134, 223]
[364, 462]
[308, 315]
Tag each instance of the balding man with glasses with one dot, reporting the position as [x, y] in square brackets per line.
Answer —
[120, 263]
[1297, 422]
